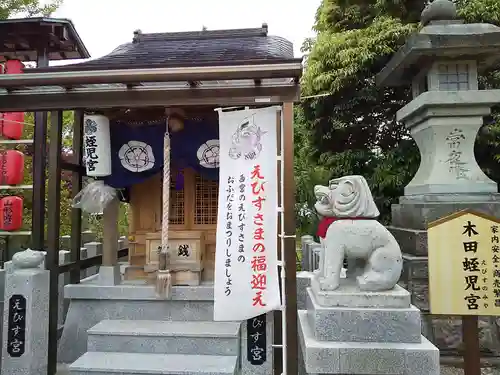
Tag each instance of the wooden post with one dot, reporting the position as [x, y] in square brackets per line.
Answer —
[290, 250]
[109, 272]
[110, 234]
[472, 352]
[53, 228]
[39, 165]
[277, 315]
[76, 186]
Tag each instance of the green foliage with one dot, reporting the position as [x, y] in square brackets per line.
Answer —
[92, 223]
[33, 8]
[351, 128]
[28, 133]
[27, 8]
[307, 175]
[487, 11]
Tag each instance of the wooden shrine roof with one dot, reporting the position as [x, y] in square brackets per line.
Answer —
[23, 38]
[193, 48]
[220, 85]
[201, 68]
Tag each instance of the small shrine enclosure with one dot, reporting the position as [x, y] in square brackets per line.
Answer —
[180, 78]
[192, 213]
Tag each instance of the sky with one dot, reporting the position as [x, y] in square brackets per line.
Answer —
[105, 24]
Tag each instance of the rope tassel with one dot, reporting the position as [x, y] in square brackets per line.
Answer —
[163, 277]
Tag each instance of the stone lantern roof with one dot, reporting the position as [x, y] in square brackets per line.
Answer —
[442, 37]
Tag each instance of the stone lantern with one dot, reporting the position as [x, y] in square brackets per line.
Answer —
[441, 63]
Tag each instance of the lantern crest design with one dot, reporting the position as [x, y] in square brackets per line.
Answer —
[208, 154]
[136, 156]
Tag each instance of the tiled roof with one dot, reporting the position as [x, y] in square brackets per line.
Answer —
[193, 48]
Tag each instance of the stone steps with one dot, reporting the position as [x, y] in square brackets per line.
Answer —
[104, 363]
[167, 337]
[128, 330]
[92, 303]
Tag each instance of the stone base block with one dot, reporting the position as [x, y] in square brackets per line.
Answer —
[349, 295]
[304, 279]
[411, 241]
[401, 325]
[416, 215]
[110, 275]
[415, 267]
[353, 358]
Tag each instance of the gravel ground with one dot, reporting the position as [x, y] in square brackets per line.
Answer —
[449, 370]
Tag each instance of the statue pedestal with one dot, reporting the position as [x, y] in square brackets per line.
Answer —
[349, 295]
[375, 333]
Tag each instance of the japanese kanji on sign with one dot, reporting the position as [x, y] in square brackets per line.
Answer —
[464, 264]
[16, 334]
[246, 260]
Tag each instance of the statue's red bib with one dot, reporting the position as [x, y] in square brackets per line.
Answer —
[325, 223]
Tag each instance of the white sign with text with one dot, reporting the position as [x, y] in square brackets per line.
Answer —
[246, 259]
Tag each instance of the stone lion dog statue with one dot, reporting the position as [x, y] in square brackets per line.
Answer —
[349, 229]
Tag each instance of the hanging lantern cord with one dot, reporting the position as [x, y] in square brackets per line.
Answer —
[163, 278]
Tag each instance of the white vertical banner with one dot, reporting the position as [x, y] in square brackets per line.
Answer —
[246, 258]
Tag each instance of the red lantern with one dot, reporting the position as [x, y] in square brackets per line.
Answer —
[13, 67]
[11, 210]
[12, 125]
[11, 167]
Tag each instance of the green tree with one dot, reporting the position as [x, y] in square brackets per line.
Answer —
[90, 222]
[352, 127]
[27, 8]
[33, 8]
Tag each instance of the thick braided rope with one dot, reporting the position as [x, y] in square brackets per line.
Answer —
[166, 191]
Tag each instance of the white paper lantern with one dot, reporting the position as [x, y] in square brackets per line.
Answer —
[97, 145]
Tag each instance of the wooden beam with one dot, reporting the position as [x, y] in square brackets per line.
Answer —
[146, 96]
[39, 165]
[290, 245]
[90, 262]
[73, 167]
[76, 186]
[110, 233]
[278, 314]
[192, 73]
[53, 227]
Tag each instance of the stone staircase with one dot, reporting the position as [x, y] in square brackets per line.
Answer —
[160, 347]
[132, 332]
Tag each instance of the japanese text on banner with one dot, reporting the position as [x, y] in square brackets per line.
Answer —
[246, 270]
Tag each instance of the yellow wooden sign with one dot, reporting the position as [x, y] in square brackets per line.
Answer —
[464, 264]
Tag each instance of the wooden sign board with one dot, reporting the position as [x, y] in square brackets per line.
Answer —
[464, 264]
